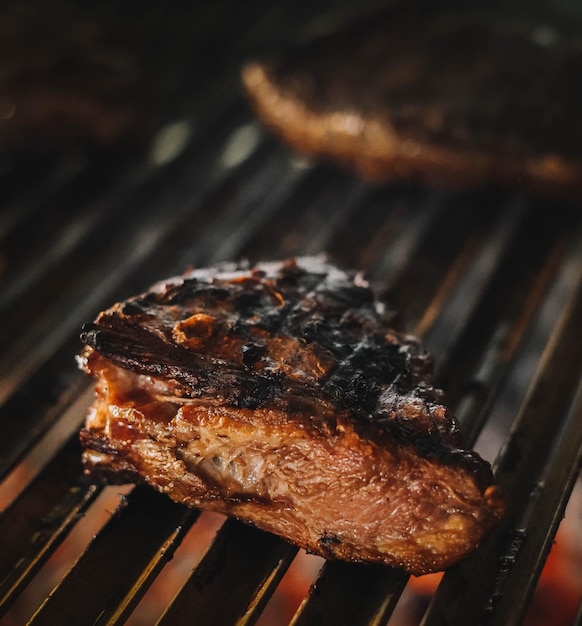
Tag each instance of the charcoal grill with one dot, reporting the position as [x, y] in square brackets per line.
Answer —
[490, 279]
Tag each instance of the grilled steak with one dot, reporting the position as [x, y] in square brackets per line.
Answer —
[461, 96]
[282, 395]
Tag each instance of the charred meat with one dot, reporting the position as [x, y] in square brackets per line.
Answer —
[450, 93]
[282, 395]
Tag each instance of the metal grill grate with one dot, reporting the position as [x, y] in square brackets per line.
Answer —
[491, 280]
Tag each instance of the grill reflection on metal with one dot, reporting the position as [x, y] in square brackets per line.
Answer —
[490, 279]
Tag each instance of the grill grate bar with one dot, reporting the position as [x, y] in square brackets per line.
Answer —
[233, 581]
[38, 403]
[145, 529]
[435, 236]
[414, 232]
[460, 307]
[505, 342]
[541, 519]
[347, 594]
[39, 519]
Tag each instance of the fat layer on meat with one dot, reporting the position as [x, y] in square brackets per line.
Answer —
[281, 394]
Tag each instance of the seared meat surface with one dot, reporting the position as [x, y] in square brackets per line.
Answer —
[282, 395]
[454, 93]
